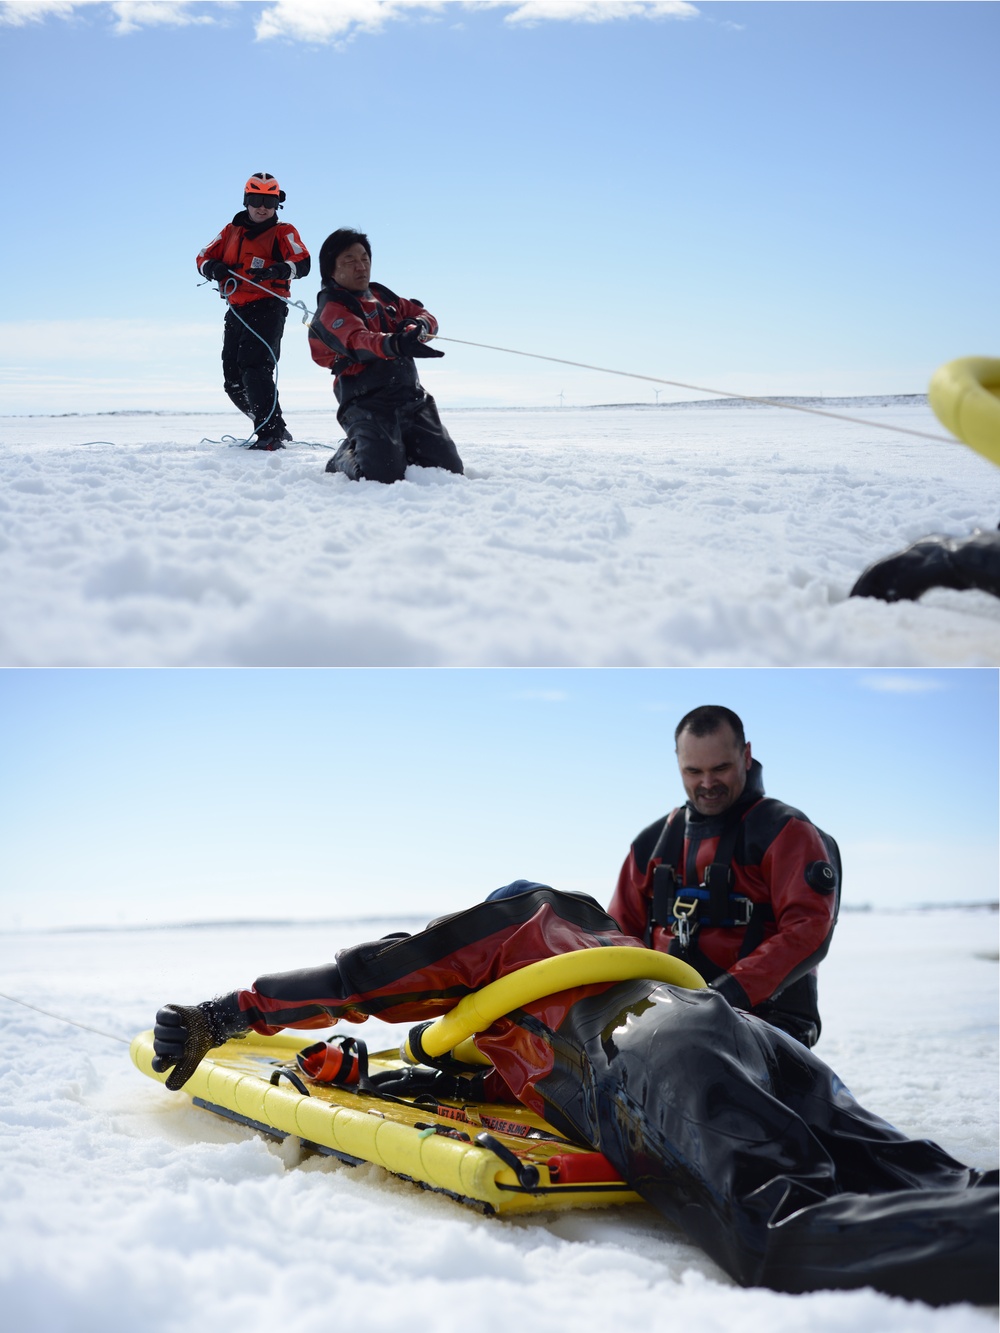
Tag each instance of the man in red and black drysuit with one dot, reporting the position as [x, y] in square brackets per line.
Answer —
[741, 886]
[255, 246]
[733, 1130]
[368, 337]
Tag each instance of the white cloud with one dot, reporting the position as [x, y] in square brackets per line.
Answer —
[597, 11]
[319, 21]
[893, 682]
[17, 14]
[134, 14]
[129, 15]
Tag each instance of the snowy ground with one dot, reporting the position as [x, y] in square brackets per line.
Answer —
[694, 535]
[123, 1208]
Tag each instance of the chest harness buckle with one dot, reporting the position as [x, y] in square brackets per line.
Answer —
[684, 909]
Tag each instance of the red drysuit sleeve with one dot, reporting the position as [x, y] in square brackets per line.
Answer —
[346, 335]
[630, 901]
[803, 918]
[409, 979]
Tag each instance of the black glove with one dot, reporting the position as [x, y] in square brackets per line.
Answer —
[271, 273]
[184, 1034]
[216, 271]
[408, 344]
[730, 989]
[422, 325]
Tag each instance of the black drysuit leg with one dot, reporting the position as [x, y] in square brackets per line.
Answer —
[756, 1150]
[383, 439]
[425, 438]
[250, 352]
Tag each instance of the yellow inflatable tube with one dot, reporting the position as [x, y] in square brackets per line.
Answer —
[965, 396]
[584, 967]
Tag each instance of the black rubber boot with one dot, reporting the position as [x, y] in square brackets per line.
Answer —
[271, 435]
[344, 461]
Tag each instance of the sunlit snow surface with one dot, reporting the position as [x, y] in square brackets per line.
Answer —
[123, 1208]
[694, 535]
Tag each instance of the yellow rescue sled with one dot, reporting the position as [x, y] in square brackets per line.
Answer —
[500, 1157]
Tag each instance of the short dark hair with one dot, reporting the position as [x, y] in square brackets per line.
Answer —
[337, 242]
[706, 721]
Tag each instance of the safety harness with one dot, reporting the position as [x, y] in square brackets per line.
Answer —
[684, 909]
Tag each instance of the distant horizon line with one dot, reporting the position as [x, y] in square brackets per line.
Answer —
[733, 401]
[981, 905]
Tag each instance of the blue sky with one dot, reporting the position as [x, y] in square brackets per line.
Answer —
[148, 796]
[769, 198]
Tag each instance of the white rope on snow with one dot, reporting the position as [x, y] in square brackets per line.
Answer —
[113, 1036]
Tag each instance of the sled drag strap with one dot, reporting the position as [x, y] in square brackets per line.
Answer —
[343, 1061]
[527, 1175]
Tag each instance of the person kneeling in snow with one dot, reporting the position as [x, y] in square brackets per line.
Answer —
[962, 563]
[729, 1127]
[368, 337]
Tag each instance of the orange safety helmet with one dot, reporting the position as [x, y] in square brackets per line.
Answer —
[263, 191]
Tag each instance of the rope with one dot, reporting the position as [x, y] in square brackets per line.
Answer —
[308, 315]
[112, 1036]
[230, 286]
[698, 388]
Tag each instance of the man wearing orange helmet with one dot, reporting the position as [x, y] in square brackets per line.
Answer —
[253, 259]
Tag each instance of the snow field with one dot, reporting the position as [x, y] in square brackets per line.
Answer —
[693, 535]
[123, 1207]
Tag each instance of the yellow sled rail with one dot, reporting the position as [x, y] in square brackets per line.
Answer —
[585, 967]
[965, 396]
[234, 1078]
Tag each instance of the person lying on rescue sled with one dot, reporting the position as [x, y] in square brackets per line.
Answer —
[368, 337]
[744, 888]
[732, 1129]
[270, 253]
